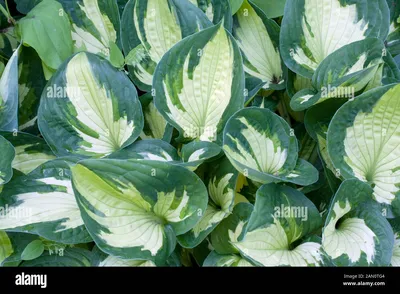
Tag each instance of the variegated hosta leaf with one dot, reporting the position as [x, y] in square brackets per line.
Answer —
[261, 145]
[221, 184]
[6, 159]
[313, 29]
[9, 94]
[71, 257]
[216, 11]
[355, 232]
[43, 203]
[231, 229]
[46, 28]
[155, 126]
[193, 154]
[363, 142]
[103, 260]
[115, 261]
[31, 82]
[30, 151]
[210, 87]
[348, 71]
[6, 248]
[393, 40]
[228, 260]
[258, 38]
[95, 26]
[135, 209]
[197, 152]
[150, 28]
[151, 149]
[89, 108]
[281, 216]
[396, 248]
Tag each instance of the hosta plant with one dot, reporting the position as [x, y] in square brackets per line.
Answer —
[238, 133]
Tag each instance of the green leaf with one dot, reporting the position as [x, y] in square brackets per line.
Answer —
[216, 11]
[6, 248]
[272, 8]
[116, 57]
[209, 54]
[33, 250]
[261, 145]
[9, 95]
[6, 159]
[43, 203]
[281, 216]
[30, 151]
[71, 257]
[355, 232]
[135, 209]
[150, 28]
[92, 104]
[310, 34]
[24, 6]
[363, 140]
[347, 72]
[8, 42]
[47, 29]
[221, 186]
[235, 5]
[19, 241]
[258, 39]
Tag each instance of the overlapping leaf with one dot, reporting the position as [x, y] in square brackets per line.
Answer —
[47, 29]
[281, 216]
[355, 232]
[261, 145]
[222, 190]
[30, 151]
[135, 209]
[348, 71]
[313, 29]
[363, 142]
[199, 84]
[43, 203]
[258, 38]
[150, 28]
[89, 108]
[96, 27]
[216, 11]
